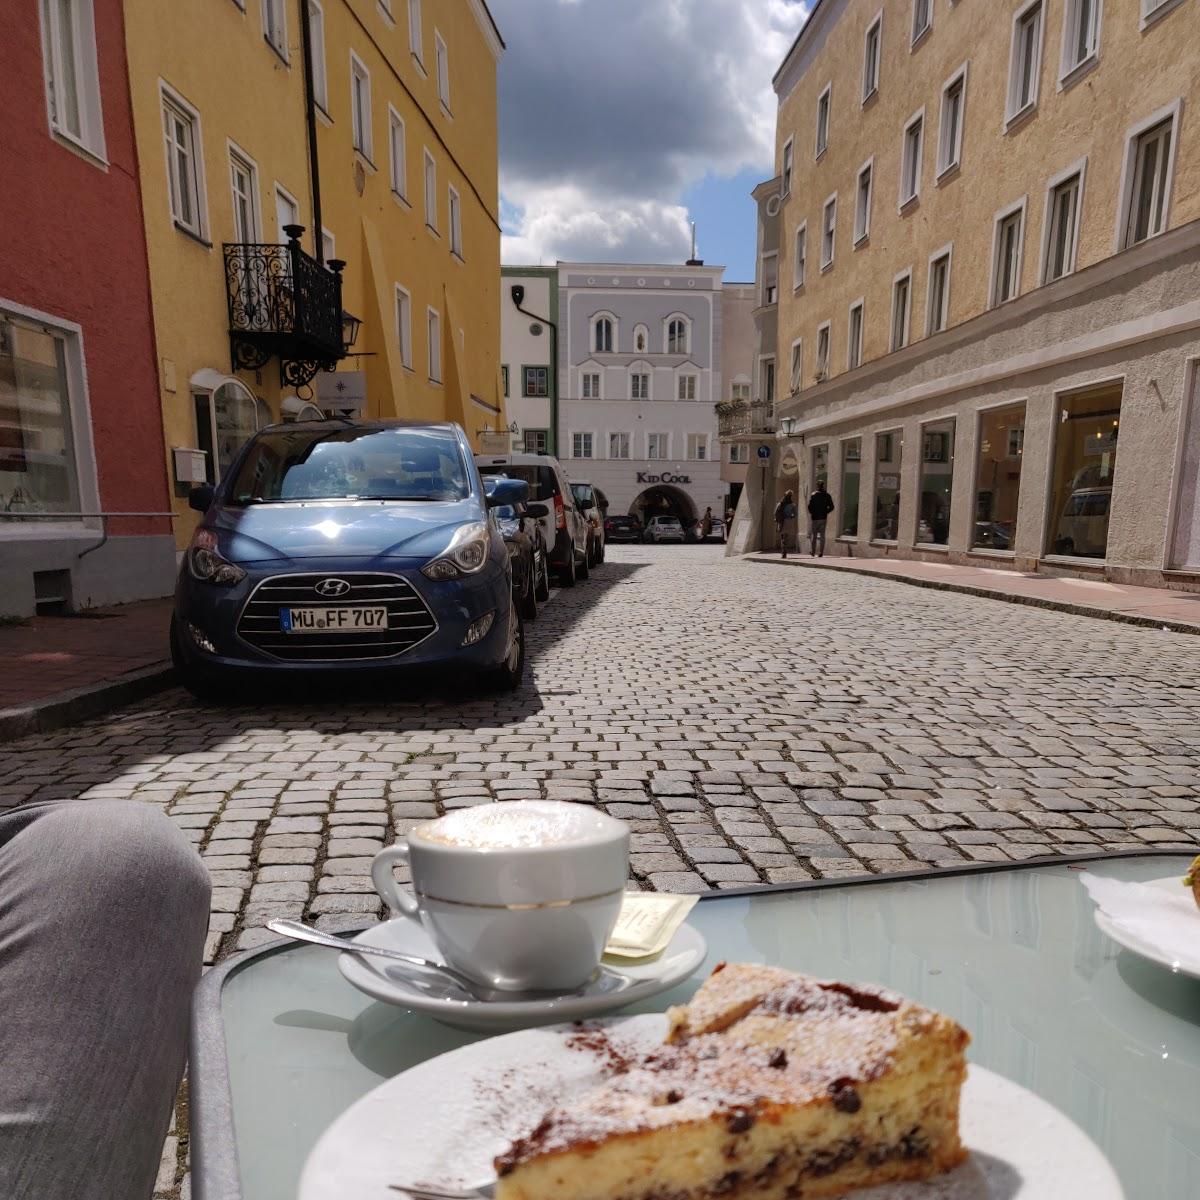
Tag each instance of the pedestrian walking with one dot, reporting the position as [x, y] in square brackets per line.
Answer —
[785, 517]
[820, 505]
[728, 523]
[706, 524]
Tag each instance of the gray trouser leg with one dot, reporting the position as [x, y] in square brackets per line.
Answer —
[103, 911]
[818, 537]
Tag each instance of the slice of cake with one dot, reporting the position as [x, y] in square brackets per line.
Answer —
[771, 1085]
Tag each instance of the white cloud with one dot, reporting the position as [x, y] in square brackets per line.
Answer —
[610, 111]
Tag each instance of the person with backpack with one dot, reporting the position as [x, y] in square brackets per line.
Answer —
[820, 505]
[785, 514]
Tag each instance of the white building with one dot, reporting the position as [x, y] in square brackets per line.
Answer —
[527, 333]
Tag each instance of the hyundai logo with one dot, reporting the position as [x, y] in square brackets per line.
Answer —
[331, 587]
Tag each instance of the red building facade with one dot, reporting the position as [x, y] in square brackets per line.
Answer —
[81, 468]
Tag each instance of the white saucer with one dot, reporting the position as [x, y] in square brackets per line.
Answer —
[1186, 960]
[404, 986]
[445, 1120]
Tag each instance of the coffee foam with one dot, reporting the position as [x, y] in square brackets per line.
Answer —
[517, 824]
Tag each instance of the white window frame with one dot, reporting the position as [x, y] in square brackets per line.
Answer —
[687, 333]
[597, 391]
[454, 220]
[430, 175]
[824, 333]
[770, 395]
[739, 454]
[416, 39]
[641, 371]
[280, 190]
[872, 70]
[1013, 112]
[328, 245]
[800, 256]
[274, 18]
[796, 367]
[666, 442]
[905, 323]
[949, 158]
[591, 443]
[433, 343]
[946, 252]
[397, 154]
[826, 263]
[316, 41]
[385, 7]
[1001, 218]
[920, 32]
[238, 157]
[1129, 171]
[700, 441]
[1052, 184]
[862, 211]
[404, 326]
[787, 158]
[1153, 12]
[360, 123]
[856, 306]
[825, 109]
[86, 70]
[594, 320]
[1069, 68]
[168, 99]
[627, 447]
[918, 118]
[442, 70]
[687, 381]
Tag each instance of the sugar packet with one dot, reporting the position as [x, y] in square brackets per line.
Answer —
[647, 923]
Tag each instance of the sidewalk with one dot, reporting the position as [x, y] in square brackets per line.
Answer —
[59, 669]
[1157, 607]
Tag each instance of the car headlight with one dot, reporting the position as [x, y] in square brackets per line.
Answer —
[208, 564]
[466, 554]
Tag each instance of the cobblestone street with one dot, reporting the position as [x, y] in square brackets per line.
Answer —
[754, 724]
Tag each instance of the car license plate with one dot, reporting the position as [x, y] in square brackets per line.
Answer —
[356, 619]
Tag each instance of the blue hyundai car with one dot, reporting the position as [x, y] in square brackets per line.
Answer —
[347, 546]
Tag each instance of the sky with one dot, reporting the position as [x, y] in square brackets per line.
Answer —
[622, 121]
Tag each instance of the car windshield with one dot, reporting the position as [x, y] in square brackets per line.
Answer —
[583, 495]
[396, 463]
[542, 484]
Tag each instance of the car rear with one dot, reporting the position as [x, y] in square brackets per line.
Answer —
[547, 485]
[622, 529]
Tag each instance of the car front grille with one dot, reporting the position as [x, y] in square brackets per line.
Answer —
[409, 618]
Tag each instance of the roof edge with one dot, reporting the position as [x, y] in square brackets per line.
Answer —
[488, 27]
[787, 58]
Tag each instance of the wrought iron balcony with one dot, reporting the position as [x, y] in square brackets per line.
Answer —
[283, 302]
[740, 418]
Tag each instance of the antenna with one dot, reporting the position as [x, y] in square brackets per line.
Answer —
[694, 261]
[693, 239]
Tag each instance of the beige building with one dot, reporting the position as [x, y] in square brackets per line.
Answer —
[988, 270]
[739, 362]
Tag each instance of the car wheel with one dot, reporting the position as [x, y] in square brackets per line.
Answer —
[542, 587]
[584, 568]
[508, 675]
[567, 573]
[529, 605]
[199, 683]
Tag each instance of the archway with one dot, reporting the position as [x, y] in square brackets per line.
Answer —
[664, 500]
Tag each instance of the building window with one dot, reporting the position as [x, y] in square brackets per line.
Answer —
[639, 386]
[455, 218]
[1081, 34]
[415, 40]
[404, 330]
[687, 387]
[72, 73]
[862, 204]
[937, 314]
[854, 338]
[442, 61]
[1149, 188]
[697, 446]
[602, 335]
[535, 441]
[851, 487]
[950, 127]
[316, 41]
[360, 106]
[1153, 9]
[768, 382]
[243, 180]
[801, 256]
[901, 310]
[328, 247]
[823, 102]
[998, 477]
[430, 191]
[226, 418]
[1085, 460]
[656, 446]
[937, 482]
[618, 445]
[797, 366]
[287, 211]
[1006, 255]
[581, 445]
[535, 381]
[641, 339]
[677, 336]
[739, 392]
[590, 388]
[768, 274]
[1062, 226]
[823, 351]
[1025, 65]
[433, 335]
[922, 19]
[786, 173]
[181, 127]
[889, 451]
[828, 230]
[871, 58]
[398, 153]
[274, 15]
[739, 453]
[504, 378]
[910, 165]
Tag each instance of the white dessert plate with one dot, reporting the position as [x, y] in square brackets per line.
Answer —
[1186, 959]
[406, 987]
[443, 1122]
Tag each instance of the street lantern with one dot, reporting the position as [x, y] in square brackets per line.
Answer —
[787, 426]
[350, 327]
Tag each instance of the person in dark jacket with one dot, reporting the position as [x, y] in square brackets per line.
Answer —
[820, 505]
[785, 521]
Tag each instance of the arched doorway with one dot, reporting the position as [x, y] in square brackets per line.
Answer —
[664, 500]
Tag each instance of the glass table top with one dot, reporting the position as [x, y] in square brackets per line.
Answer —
[1014, 955]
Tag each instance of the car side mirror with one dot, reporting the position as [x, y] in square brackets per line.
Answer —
[508, 491]
[201, 498]
[536, 510]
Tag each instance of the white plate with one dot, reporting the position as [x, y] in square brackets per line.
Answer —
[1187, 959]
[401, 985]
[445, 1120]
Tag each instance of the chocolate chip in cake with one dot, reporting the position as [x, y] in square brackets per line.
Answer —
[778, 1059]
[845, 1096]
[740, 1120]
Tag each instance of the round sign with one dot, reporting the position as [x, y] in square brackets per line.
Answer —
[764, 452]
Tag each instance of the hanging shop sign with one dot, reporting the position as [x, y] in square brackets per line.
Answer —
[665, 477]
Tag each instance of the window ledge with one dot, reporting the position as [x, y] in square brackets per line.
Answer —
[1079, 71]
[435, 382]
[885, 542]
[401, 199]
[820, 154]
[362, 157]
[279, 54]
[1152, 18]
[920, 39]
[851, 539]
[797, 288]
[82, 149]
[419, 62]
[936, 547]
[459, 258]
[870, 97]
[445, 109]
[323, 114]
[827, 266]
[949, 173]
[909, 205]
[1017, 120]
[992, 552]
[193, 235]
[863, 239]
[1071, 560]
[386, 15]
[432, 231]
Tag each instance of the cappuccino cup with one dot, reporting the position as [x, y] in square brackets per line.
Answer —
[519, 894]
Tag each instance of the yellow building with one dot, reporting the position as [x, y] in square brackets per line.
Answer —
[397, 154]
[988, 259]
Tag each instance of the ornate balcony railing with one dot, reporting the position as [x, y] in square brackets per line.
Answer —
[283, 302]
[740, 418]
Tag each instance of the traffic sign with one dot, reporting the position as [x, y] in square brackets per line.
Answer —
[764, 452]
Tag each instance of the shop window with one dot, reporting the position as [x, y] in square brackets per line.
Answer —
[998, 477]
[937, 482]
[226, 419]
[889, 450]
[1085, 460]
[851, 487]
[820, 466]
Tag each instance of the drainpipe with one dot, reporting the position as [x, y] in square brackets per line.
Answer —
[310, 114]
[553, 367]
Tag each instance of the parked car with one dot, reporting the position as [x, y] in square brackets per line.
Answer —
[361, 546]
[587, 499]
[522, 531]
[622, 529]
[1083, 526]
[663, 529]
[564, 526]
